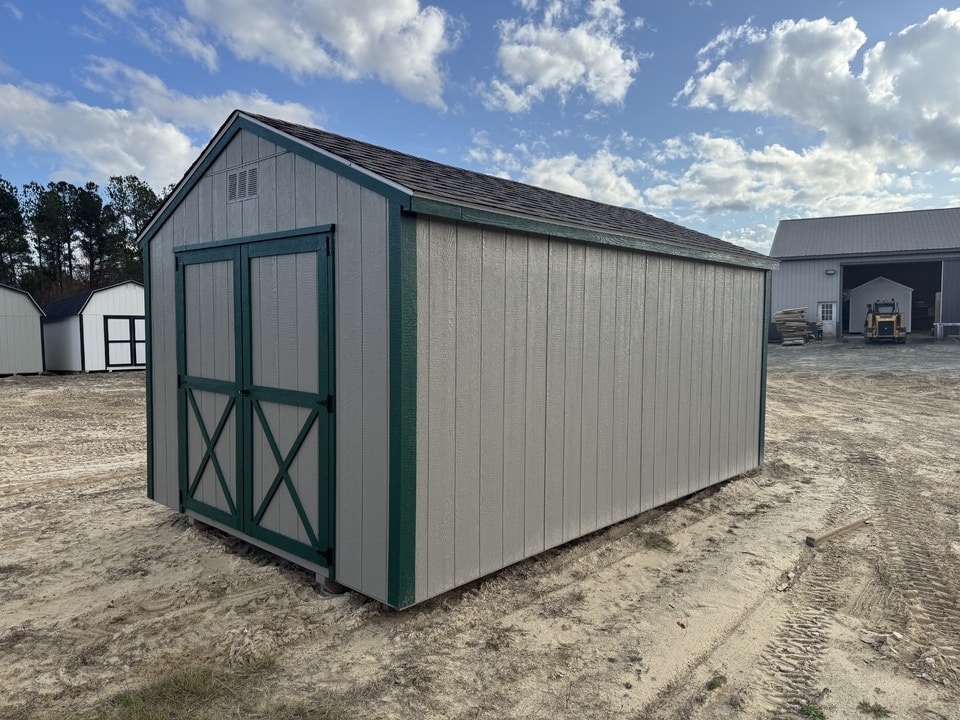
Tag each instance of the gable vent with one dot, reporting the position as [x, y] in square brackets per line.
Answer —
[242, 184]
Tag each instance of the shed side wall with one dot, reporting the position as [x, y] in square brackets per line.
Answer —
[61, 345]
[294, 193]
[565, 387]
[878, 289]
[126, 299]
[20, 347]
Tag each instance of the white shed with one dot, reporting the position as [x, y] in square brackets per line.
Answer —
[406, 375]
[102, 329]
[21, 343]
[880, 288]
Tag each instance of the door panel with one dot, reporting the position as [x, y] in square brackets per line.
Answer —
[290, 427]
[207, 359]
[255, 334]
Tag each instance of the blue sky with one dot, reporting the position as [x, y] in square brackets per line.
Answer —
[723, 116]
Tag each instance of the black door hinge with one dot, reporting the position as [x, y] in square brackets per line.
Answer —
[327, 555]
[327, 402]
[176, 263]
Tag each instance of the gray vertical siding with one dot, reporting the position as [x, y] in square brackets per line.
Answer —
[803, 283]
[564, 387]
[293, 194]
[163, 367]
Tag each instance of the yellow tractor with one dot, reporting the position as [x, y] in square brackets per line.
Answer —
[884, 321]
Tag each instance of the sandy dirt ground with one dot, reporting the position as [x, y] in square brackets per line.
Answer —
[103, 590]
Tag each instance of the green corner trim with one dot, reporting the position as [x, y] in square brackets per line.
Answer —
[765, 338]
[453, 211]
[401, 574]
[148, 372]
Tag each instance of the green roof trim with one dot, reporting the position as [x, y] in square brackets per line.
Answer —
[234, 125]
[452, 211]
[344, 169]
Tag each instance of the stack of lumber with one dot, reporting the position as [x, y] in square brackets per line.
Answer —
[792, 326]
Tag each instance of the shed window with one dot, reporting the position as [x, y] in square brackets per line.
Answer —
[242, 184]
[826, 311]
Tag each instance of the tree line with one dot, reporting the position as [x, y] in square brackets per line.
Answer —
[59, 239]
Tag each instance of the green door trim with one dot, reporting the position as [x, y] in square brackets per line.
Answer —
[245, 400]
[186, 384]
[283, 474]
[211, 442]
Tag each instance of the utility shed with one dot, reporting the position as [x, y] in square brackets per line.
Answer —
[822, 260]
[880, 288]
[406, 375]
[21, 343]
[94, 330]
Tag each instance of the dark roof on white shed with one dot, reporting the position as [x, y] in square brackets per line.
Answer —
[426, 178]
[879, 234]
[74, 304]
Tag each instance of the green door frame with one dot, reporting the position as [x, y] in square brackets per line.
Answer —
[186, 403]
[246, 398]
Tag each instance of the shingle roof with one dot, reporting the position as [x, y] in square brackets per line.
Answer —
[453, 184]
[67, 306]
[73, 304]
[882, 233]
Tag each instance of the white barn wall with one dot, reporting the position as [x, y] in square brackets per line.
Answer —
[125, 299]
[294, 193]
[61, 345]
[20, 338]
[565, 387]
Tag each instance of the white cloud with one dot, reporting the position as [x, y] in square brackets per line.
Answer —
[396, 41]
[93, 142]
[120, 8]
[188, 36]
[552, 57]
[135, 88]
[804, 70]
[603, 176]
[147, 133]
[14, 10]
[758, 238]
[724, 176]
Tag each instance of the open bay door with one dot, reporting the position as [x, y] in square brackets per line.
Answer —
[255, 375]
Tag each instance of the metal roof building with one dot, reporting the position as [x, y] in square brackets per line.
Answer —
[21, 343]
[405, 375]
[95, 330]
[823, 259]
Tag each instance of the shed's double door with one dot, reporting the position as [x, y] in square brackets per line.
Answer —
[254, 356]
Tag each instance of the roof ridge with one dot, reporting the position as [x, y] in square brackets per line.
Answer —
[470, 187]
